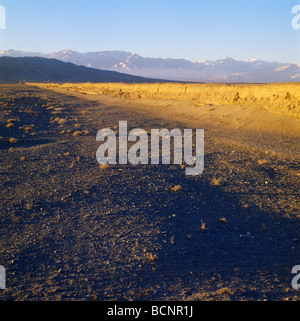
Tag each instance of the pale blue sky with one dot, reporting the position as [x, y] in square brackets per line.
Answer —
[190, 29]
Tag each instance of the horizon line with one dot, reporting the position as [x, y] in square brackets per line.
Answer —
[134, 53]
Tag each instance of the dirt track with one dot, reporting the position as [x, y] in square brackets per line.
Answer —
[72, 231]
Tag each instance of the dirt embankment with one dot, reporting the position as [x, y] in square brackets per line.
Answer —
[256, 115]
[282, 99]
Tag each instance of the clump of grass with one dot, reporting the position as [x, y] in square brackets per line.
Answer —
[85, 132]
[203, 227]
[11, 120]
[223, 220]
[151, 257]
[13, 140]
[245, 205]
[216, 181]
[77, 125]
[62, 121]
[172, 239]
[224, 290]
[72, 164]
[176, 188]
[262, 161]
[28, 128]
[77, 133]
[29, 206]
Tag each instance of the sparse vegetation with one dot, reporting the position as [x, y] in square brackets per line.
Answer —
[277, 98]
[216, 181]
[172, 239]
[103, 166]
[77, 133]
[151, 257]
[13, 140]
[176, 188]
[262, 161]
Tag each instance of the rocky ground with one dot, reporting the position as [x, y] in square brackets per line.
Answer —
[72, 230]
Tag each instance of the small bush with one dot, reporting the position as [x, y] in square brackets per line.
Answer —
[176, 188]
[77, 133]
[13, 140]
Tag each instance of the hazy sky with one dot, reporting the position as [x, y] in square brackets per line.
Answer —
[190, 29]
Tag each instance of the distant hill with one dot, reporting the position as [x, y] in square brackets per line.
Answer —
[37, 69]
[226, 70]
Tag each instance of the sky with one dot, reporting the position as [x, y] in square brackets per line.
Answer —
[189, 29]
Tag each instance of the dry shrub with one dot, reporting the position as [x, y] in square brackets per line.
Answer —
[151, 257]
[216, 181]
[176, 188]
[103, 166]
[262, 161]
[62, 121]
[28, 128]
[224, 290]
[13, 140]
[29, 206]
[172, 239]
[12, 120]
[77, 133]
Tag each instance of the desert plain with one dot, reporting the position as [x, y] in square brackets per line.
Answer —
[71, 229]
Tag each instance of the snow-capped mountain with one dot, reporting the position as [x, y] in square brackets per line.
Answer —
[222, 70]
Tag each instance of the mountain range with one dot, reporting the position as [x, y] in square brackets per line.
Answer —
[222, 70]
[39, 69]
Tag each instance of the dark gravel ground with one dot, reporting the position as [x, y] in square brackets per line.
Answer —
[72, 231]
